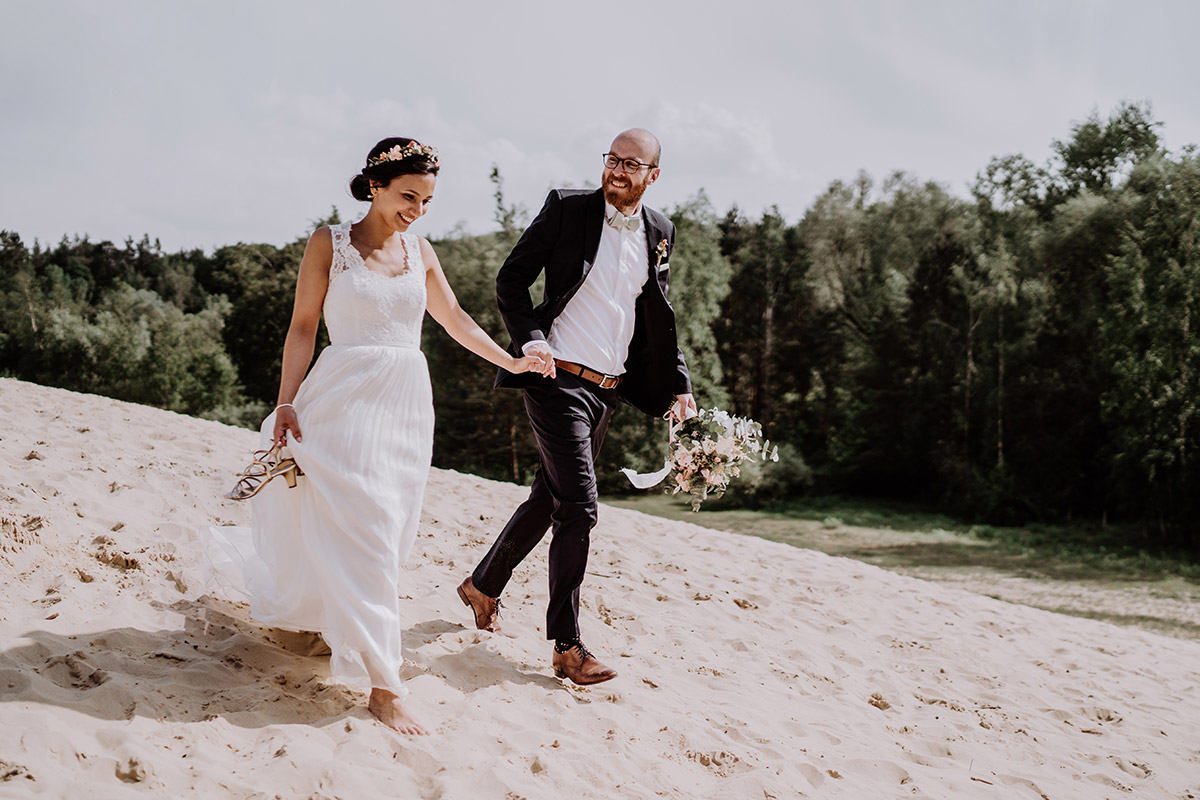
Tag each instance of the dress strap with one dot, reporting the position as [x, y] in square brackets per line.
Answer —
[341, 240]
[412, 252]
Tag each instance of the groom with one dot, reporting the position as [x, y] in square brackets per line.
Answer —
[606, 328]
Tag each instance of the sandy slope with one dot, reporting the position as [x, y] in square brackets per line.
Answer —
[748, 669]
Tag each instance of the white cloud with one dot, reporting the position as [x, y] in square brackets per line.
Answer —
[706, 137]
[246, 127]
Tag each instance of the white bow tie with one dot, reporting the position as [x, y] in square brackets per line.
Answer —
[622, 222]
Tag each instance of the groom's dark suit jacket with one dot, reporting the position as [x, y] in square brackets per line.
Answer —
[562, 240]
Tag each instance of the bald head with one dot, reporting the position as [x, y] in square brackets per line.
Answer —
[642, 140]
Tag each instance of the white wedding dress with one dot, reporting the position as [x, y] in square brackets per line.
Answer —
[326, 556]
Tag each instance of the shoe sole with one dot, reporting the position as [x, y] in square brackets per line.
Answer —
[558, 673]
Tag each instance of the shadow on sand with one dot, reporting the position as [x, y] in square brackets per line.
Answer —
[223, 664]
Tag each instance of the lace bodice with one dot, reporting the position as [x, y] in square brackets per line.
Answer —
[365, 307]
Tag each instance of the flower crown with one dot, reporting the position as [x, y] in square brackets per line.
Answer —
[402, 151]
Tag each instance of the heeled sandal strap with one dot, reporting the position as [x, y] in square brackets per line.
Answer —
[266, 465]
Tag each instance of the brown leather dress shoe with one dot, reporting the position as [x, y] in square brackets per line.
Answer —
[581, 667]
[487, 609]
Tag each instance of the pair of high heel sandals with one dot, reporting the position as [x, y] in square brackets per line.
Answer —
[266, 466]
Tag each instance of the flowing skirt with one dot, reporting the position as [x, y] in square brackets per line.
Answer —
[326, 555]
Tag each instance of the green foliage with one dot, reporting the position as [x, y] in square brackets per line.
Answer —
[700, 276]
[130, 323]
[1027, 355]
[259, 282]
[891, 274]
[243, 415]
[135, 346]
[763, 317]
[1150, 343]
[764, 482]
[479, 429]
[1099, 151]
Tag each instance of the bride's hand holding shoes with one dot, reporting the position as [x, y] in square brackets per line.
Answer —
[286, 424]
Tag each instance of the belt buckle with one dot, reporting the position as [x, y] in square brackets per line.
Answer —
[608, 382]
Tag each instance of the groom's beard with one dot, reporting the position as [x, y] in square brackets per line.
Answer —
[628, 197]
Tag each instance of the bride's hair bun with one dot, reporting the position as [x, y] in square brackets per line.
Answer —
[391, 158]
[360, 187]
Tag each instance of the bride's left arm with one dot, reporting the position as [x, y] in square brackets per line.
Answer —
[443, 306]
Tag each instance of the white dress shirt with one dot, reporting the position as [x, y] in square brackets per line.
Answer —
[595, 327]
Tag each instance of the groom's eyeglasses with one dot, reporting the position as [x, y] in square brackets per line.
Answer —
[630, 165]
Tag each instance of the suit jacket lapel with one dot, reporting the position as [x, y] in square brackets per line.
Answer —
[592, 227]
[653, 237]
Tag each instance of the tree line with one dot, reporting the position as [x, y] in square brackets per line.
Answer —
[1028, 352]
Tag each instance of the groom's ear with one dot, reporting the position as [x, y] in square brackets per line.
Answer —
[653, 175]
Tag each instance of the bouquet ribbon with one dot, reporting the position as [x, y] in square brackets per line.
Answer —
[648, 480]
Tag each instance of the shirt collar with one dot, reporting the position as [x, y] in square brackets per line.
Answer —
[610, 209]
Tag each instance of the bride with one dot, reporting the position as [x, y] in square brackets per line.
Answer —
[325, 556]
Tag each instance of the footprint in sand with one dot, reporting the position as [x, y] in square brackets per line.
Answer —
[14, 772]
[132, 771]
[720, 762]
[1132, 768]
[71, 671]
[1101, 715]
[107, 552]
[14, 535]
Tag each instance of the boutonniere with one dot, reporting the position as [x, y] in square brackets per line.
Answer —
[662, 253]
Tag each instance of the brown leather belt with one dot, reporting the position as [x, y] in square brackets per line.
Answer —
[590, 375]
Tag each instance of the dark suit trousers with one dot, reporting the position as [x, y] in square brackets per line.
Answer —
[569, 418]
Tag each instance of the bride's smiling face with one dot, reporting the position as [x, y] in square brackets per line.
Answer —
[405, 199]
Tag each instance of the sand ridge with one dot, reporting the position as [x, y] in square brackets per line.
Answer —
[748, 669]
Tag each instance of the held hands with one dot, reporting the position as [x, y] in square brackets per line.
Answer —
[285, 422]
[684, 407]
[530, 364]
[538, 358]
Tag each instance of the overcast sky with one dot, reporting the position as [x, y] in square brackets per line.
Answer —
[210, 123]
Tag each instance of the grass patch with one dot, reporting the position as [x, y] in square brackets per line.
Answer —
[900, 535]
[1167, 627]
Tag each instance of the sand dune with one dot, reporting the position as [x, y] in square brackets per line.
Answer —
[748, 669]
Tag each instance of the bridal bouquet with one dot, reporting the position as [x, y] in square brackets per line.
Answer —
[705, 451]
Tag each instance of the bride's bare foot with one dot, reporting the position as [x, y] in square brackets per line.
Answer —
[388, 709]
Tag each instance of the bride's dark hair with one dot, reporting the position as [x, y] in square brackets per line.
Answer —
[422, 161]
